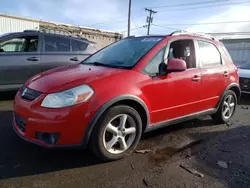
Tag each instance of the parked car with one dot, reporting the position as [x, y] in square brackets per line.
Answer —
[25, 54]
[244, 74]
[131, 87]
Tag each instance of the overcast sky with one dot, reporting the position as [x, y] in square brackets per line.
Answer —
[112, 14]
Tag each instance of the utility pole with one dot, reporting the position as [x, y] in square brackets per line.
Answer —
[150, 18]
[129, 12]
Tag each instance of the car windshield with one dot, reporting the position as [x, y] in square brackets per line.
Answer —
[124, 53]
[245, 66]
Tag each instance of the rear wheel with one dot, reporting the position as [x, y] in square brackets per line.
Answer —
[226, 109]
[117, 133]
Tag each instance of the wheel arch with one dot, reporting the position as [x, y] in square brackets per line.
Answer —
[235, 88]
[129, 100]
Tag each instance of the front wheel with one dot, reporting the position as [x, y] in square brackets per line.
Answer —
[226, 109]
[117, 133]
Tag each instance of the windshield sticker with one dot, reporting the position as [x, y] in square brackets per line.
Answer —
[151, 39]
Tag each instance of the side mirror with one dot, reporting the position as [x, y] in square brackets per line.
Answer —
[172, 65]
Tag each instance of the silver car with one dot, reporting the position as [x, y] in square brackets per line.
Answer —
[244, 74]
[24, 54]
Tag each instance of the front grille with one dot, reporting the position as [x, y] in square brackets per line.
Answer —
[245, 84]
[29, 94]
[20, 122]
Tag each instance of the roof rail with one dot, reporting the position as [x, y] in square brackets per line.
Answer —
[182, 32]
[178, 32]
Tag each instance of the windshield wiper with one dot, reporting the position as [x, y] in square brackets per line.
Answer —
[98, 64]
[103, 64]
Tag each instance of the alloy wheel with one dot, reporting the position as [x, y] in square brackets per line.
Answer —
[119, 134]
[228, 106]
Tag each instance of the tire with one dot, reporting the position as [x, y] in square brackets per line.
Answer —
[218, 117]
[102, 136]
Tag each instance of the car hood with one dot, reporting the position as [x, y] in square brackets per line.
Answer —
[244, 73]
[63, 78]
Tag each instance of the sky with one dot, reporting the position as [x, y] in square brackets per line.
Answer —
[112, 14]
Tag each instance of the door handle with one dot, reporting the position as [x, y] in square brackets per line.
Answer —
[33, 59]
[196, 78]
[226, 73]
[74, 59]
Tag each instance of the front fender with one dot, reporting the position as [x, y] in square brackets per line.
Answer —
[104, 107]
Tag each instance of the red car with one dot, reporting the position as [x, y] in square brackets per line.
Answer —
[133, 86]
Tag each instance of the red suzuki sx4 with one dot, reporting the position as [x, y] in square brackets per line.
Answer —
[130, 87]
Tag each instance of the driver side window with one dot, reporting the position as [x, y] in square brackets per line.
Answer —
[20, 44]
[153, 65]
[180, 49]
[183, 49]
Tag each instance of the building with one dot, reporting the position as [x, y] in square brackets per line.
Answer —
[237, 44]
[9, 23]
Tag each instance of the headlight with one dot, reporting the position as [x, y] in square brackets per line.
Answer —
[68, 97]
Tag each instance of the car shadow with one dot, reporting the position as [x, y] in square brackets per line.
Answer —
[19, 158]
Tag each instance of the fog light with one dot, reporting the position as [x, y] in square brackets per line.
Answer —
[48, 138]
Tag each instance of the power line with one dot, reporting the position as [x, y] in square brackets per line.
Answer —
[204, 6]
[209, 23]
[136, 28]
[133, 20]
[165, 27]
[120, 19]
[123, 18]
[188, 4]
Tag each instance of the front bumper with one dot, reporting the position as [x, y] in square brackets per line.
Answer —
[67, 126]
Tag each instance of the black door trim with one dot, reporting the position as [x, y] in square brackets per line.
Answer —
[179, 119]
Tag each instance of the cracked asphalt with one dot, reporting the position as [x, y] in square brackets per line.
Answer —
[198, 145]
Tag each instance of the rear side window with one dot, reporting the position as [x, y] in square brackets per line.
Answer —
[56, 44]
[78, 46]
[209, 54]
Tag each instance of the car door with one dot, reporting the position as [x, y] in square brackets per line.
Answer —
[56, 52]
[19, 54]
[176, 94]
[214, 73]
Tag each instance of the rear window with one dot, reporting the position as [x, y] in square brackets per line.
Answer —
[78, 46]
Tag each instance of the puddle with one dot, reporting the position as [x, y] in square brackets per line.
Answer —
[163, 154]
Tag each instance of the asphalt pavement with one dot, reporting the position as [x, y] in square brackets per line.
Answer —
[191, 154]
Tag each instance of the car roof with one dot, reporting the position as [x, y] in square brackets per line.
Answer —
[27, 32]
